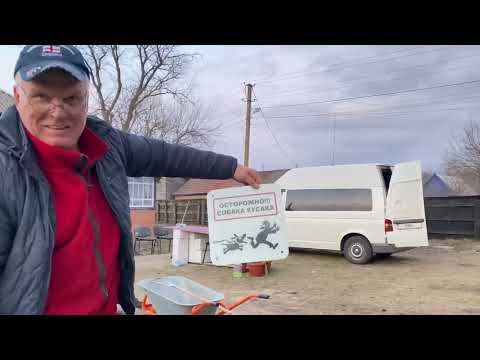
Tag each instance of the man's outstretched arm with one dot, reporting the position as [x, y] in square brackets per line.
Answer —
[152, 157]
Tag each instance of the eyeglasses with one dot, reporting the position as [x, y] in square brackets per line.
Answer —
[73, 105]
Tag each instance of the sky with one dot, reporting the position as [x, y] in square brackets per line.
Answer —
[318, 105]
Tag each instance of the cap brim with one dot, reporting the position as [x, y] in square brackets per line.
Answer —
[29, 72]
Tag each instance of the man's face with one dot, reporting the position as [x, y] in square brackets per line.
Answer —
[53, 107]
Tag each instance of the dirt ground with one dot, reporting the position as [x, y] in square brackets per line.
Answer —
[443, 278]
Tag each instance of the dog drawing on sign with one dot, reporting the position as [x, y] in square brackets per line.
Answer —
[235, 243]
[238, 239]
[261, 238]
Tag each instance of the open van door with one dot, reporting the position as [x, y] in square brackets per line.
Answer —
[405, 207]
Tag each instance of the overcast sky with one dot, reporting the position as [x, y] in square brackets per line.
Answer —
[413, 124]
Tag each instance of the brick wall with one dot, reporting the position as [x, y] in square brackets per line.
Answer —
[144, 217]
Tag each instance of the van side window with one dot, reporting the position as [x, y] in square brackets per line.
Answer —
[329, 200]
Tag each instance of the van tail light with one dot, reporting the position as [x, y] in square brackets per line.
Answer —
[388, 226]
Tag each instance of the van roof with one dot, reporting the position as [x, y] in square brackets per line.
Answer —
[336, 176]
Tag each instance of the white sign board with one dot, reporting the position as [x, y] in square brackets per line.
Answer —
[246, 225]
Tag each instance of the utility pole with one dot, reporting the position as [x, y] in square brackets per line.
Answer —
[247, 124]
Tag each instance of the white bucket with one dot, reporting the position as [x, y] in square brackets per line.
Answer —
[180, 248]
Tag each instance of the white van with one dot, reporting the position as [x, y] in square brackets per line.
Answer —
[360, 210]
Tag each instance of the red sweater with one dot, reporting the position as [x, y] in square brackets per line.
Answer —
[85, 268]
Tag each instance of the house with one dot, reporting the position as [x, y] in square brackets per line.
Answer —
[166, 187]
[144, 193]
[435, 186]
[6, 100]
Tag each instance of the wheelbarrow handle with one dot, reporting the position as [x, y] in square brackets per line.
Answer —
[147, 308]
[244, 300]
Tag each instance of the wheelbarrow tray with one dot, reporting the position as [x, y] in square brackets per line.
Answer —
[167, 298]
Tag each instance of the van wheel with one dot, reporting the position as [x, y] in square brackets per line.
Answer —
[358, 250]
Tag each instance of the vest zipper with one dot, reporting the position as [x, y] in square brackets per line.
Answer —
[96, 232]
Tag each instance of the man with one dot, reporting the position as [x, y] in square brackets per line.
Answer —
[65, 231]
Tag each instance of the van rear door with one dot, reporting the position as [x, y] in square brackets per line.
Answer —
[405, 207]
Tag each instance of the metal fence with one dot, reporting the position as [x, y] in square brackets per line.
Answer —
[457, 216]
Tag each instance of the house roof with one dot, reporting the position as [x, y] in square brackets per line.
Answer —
[203, 186]
[6, 100]
[271, 176]
[426, 177]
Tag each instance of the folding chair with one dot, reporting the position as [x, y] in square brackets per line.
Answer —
[144, 234]
[163, 234]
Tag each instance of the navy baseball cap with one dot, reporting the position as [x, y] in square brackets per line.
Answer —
[35, 59]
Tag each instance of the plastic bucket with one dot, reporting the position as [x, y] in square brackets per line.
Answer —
[256, 268]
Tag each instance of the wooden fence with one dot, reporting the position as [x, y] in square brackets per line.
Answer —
[174, 212]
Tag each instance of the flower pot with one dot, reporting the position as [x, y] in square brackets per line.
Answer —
[256, 268]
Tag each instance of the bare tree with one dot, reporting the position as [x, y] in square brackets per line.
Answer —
[457, 186]
[462, 160]
[126, 77]
[186, 123]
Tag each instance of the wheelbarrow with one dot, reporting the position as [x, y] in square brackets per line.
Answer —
[177, 295]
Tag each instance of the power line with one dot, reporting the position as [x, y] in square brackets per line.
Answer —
[349, 82]
[347, 62]
[276, 140]
[437, 99]
[331, 67]
[272, 133]
[369, 113]
[375, 95]
[441, 99]
[349, 65]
